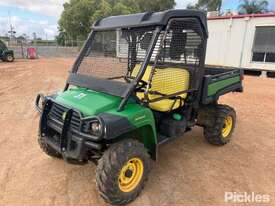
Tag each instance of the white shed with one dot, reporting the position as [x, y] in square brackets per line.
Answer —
[246, 41]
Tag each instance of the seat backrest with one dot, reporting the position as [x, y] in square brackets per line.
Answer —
[146, 74]
[166, 80]
[170, 81]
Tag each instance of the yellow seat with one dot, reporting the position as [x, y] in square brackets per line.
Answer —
[165, 81]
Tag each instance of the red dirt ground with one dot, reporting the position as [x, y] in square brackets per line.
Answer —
[189, 171]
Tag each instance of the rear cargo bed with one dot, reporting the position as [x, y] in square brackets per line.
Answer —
[219, 81]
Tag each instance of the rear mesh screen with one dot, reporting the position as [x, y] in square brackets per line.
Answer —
[182, 43]
[179, 58]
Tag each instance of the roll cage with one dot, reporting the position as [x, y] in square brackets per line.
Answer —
[162, 21]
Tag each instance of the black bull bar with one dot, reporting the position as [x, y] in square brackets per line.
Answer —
[73, 144]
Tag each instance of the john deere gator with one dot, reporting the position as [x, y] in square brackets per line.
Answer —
[139, 81]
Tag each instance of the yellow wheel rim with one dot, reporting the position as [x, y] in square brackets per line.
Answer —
[227, 127]
[130, 175]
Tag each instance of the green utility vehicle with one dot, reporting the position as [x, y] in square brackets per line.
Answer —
[138, 82]
[6, 55]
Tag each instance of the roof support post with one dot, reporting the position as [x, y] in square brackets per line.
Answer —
[140, 74]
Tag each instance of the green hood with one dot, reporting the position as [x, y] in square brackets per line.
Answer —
[87, 101]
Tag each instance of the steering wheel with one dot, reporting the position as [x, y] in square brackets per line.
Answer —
[141, 84]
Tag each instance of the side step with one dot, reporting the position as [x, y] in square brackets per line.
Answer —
[162, 139]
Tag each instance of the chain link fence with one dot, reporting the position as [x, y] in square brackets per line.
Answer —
[45, 49]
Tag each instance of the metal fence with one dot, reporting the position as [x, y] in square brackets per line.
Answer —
[45, 49]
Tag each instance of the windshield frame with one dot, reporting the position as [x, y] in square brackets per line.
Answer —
[104, 85]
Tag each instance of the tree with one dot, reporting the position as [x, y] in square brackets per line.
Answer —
[78, 15]
[61, 38]
[104, 9]
[253, 6]
[75, 20]
[156, 5]
[207, 5]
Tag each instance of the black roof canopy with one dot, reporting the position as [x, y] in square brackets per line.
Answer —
[149, 19]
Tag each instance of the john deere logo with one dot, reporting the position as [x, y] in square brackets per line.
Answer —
[80, 96]
[64, 115]
[140, 118]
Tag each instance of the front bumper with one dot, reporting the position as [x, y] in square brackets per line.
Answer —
[61, 128]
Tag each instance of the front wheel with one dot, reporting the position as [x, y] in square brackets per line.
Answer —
[9, 58]
[221, 131]
[122, 171]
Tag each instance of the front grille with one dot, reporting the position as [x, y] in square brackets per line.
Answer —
[56, 113]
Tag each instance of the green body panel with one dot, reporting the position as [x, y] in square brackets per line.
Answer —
[216, 86]
[88, 102]
[143, 119]
[91, 103]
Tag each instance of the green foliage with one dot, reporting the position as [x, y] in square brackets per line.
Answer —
[60, 39]
[120, 8]
[104, 9]
[207, 5]
[76, 18]
[253, 6]
[78, 15]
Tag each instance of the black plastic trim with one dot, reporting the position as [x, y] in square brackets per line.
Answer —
[115, 125]
[149, 19]
[97, 84]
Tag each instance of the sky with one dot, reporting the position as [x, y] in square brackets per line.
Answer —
[41, 16]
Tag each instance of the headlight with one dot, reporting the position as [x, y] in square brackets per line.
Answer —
[96, 128]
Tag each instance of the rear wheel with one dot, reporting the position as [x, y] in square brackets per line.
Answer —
[220, 132]
[47, 149]
[122, 171]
